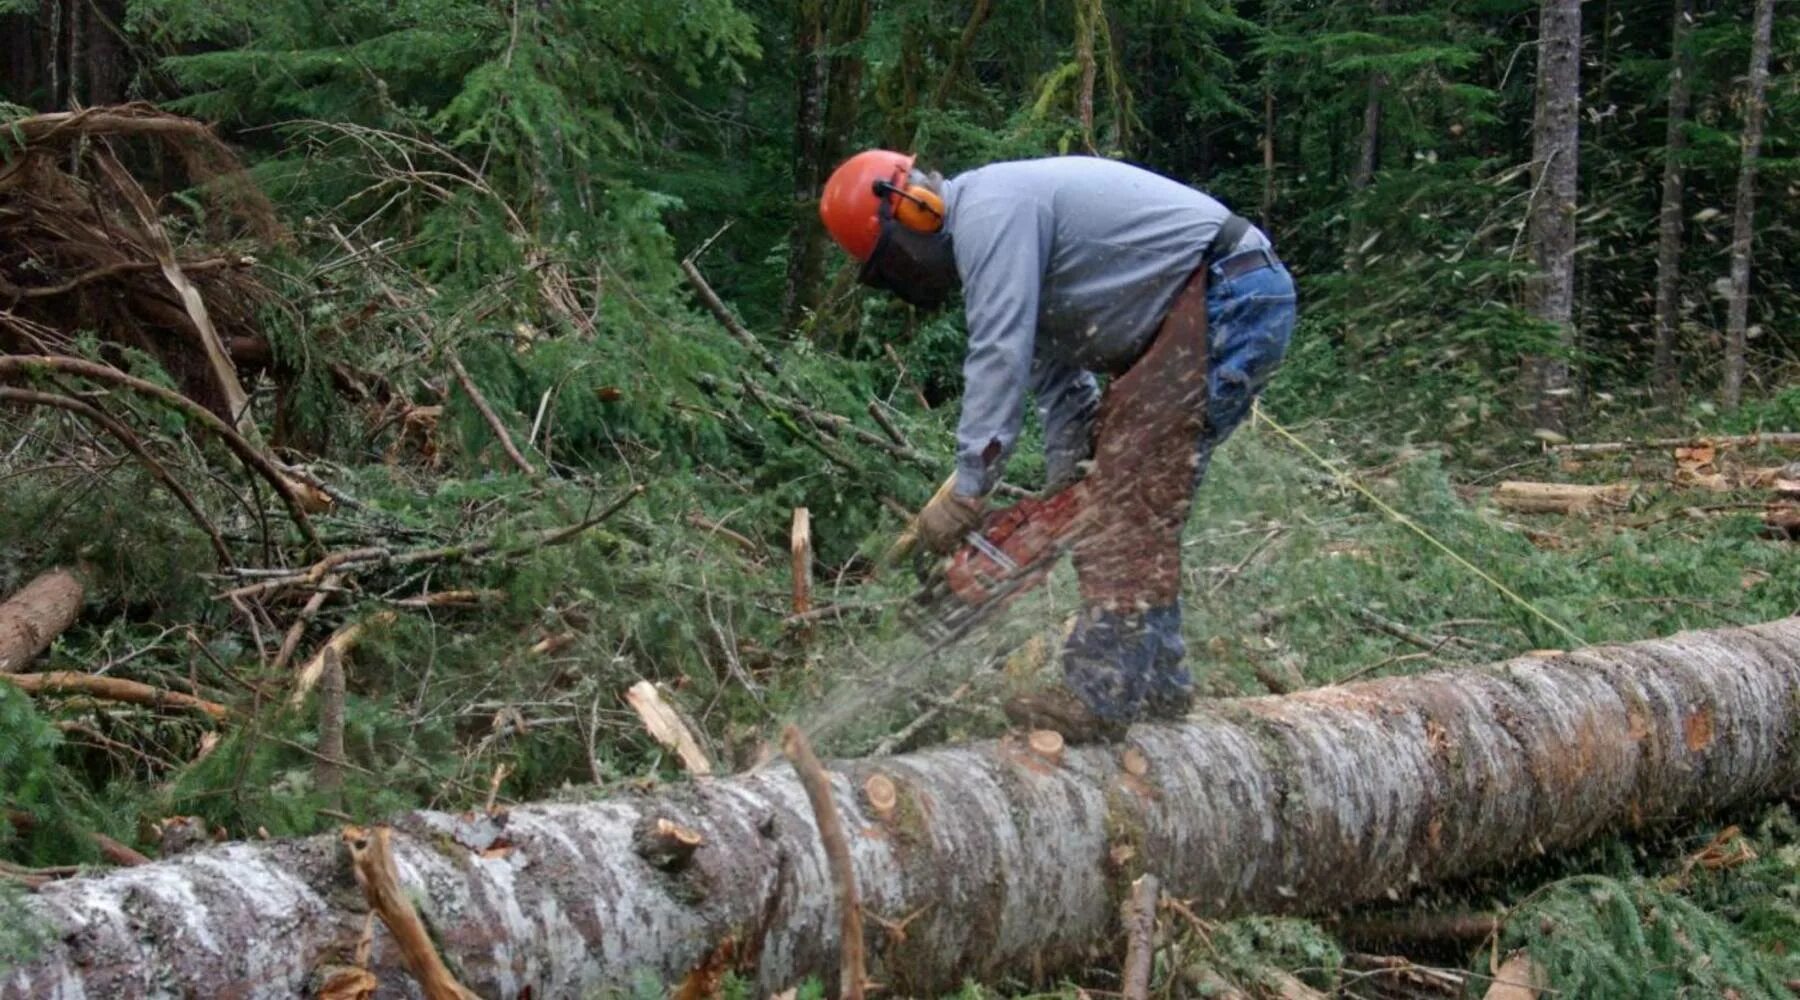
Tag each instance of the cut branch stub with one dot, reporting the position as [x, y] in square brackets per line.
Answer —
[665, 844]
[882, 796]
[1046, 743]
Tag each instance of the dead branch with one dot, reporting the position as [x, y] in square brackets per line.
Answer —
[372, 859]
[32, 618]
[716, 306]
[370, 557]
[291, 641]
[32, 364]
[1775, 440]
[112, 689]
[338, 646]
[853, 974]
[880, 415]
[237, 403]
[1140, 936]
[488, 414]
[131, 443]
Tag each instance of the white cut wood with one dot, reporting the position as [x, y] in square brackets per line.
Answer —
[665, 726]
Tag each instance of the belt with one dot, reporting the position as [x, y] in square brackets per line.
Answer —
[1239, 264]
[1220, 252]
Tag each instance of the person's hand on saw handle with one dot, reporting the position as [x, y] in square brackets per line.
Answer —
[947, 520]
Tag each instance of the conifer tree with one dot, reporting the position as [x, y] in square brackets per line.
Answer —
[1743, 228]
[1554, 169]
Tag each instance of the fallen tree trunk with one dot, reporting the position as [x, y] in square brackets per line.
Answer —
[32, 618]
[990, 857]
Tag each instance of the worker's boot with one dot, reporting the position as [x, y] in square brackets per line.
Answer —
[1060, 710]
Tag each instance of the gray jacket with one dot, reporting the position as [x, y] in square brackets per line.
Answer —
[1068, 265]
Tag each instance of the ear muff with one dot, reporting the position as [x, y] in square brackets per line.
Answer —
[915, 206]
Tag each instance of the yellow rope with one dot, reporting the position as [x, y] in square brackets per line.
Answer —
[1346, 479]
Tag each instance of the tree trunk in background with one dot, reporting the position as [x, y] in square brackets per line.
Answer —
[1668, 242]
[1550, 294]
[1368, 157]
[806, 248]
[999, 859]
[32, 618]
[1743, 225]
[61, 54]
[830, 91]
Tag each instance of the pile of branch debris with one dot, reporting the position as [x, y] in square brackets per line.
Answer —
[89, 249]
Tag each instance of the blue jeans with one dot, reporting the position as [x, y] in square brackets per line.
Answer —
[1122, 657]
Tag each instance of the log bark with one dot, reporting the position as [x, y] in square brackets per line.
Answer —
[1303, 802]
[32, 618]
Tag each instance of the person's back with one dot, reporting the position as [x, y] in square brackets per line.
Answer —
[1120, 243]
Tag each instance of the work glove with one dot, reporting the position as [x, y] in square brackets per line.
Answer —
[947, 519]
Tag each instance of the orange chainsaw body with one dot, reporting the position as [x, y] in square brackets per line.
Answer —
[1015, 547]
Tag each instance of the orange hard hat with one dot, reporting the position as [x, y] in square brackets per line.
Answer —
[850, 208]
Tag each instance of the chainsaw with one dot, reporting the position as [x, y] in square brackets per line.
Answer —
[1011, 552]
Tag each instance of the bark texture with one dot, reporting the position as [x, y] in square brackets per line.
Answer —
[1551, 293]
[32, 618]
[1743, 226]
[998, 859]
[1668, 227]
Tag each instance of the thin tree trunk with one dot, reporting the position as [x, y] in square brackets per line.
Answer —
[806, 248]
[1368, 158]
[1668, 244]
[1086, 11]
[1268, 151]
[1551, 292]
[1743, 226]
[32, 618]
[996, 857]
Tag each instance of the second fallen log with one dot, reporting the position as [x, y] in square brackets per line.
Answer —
[1561, 498]
[32, 618]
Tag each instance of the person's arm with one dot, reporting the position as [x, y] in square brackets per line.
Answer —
[1067, 400]
[1002, 249]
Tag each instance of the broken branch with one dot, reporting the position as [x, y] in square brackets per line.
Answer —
[852, 973]
[372, 859]
[112, 689]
